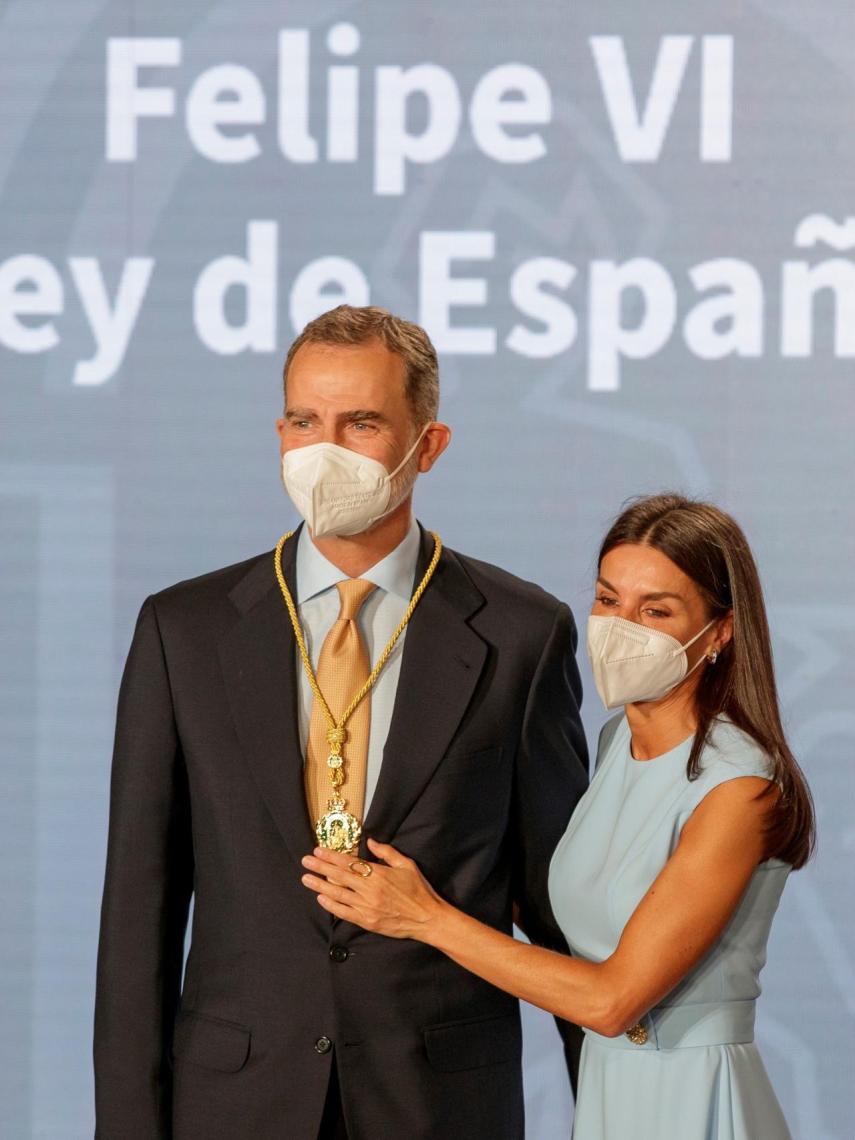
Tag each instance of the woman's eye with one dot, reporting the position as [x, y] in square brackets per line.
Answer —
[657, 613]
[604, 601]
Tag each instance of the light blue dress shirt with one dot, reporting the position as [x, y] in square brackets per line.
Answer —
[318, 607]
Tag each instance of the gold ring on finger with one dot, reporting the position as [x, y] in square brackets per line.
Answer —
[361, 868]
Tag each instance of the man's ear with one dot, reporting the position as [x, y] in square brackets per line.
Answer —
[436, 439]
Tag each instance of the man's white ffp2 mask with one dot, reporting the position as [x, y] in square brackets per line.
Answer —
[341, 492]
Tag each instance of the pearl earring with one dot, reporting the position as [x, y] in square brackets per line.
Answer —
[713, 657]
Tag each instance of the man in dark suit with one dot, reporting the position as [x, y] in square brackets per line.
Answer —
[289, 1025]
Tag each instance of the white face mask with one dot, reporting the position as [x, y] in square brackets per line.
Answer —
[633, 662]
[340, 492]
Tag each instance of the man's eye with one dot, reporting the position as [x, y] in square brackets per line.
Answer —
[604, 601]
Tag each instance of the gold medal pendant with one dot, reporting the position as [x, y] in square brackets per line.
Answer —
[337, 829]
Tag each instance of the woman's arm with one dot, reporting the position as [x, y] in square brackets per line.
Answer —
[676, 922]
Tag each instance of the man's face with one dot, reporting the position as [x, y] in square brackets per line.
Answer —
[351, 395]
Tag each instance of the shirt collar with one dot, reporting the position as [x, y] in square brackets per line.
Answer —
[394, 573]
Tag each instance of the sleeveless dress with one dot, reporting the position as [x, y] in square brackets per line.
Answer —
[692, 1071]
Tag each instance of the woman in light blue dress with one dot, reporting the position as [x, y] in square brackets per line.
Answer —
[670, 871]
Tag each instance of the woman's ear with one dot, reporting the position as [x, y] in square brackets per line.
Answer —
[724, 633]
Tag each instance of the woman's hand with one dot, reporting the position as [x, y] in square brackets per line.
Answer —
[395, 900]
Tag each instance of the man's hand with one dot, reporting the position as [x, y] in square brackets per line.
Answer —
[395, 899]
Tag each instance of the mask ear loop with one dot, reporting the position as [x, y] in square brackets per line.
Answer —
[702, 657]
[700, 633]
[411, 452]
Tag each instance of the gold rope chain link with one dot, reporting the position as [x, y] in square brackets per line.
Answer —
[337, 733]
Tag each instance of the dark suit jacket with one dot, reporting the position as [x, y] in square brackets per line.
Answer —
[484, 762]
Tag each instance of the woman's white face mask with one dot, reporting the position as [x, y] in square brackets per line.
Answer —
[632, 662]
[341, 492]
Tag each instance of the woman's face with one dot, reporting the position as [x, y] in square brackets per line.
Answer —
[642, 585]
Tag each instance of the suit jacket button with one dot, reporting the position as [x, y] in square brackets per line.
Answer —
[323, 1045]
[339, 953]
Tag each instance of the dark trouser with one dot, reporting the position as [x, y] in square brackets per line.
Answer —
[332, 1122]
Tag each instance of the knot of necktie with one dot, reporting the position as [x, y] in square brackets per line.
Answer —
[352, 593]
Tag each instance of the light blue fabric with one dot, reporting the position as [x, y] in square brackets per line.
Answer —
[318, 607]
[699, 1075]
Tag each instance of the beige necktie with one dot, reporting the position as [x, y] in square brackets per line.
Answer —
[343, 669]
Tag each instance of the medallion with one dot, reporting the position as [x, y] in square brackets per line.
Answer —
[337, 829]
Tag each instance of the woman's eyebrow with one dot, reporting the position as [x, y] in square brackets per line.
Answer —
[654, 597]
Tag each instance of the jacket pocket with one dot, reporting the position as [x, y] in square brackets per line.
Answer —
[459, 1045]
[210, 1041]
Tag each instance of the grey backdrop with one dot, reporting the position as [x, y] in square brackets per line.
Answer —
[672, 341]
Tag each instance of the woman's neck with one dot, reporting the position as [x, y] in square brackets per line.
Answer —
[658, 726]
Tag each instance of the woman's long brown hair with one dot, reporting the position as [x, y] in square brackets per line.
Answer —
[709, 546]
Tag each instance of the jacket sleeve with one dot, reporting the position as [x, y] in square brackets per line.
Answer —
[147, 889]
[551, 776]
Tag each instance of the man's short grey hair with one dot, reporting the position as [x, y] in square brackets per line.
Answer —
[349, 325]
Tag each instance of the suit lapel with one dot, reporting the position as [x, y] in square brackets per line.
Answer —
[259, 662]
[442, 662]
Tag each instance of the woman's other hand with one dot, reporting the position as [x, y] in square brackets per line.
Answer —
[393, 899]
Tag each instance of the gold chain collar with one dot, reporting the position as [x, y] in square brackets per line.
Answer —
[345, 834]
